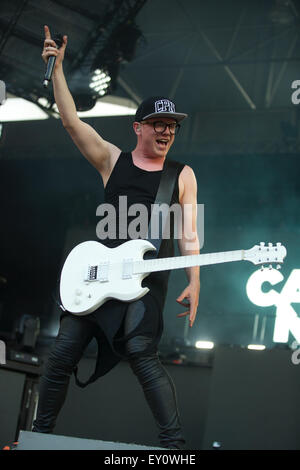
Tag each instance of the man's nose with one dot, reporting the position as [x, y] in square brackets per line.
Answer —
[167, 130]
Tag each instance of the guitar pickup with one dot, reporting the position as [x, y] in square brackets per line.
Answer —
[97, 272]
[127, 268]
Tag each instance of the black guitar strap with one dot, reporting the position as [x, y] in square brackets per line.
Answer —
[163, 196]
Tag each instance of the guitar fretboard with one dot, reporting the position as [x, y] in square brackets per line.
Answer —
[165, 264]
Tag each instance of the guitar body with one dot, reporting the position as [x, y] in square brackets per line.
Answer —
[94, 273]
[81, 296]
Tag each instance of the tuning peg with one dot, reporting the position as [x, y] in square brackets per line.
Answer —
[278, 244]
[270, 266]
[278, 266]
[262, 243]
[262, 267]
[270, 244]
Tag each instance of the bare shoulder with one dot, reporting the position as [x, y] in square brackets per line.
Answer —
[187, 182]
[187, 174]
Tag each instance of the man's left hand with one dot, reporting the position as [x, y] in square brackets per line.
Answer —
[191, 293]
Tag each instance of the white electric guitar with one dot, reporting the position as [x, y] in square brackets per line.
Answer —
[94, 273]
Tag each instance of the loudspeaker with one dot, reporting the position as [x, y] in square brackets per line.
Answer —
[11, 394]
[18, 401]
[39, 441]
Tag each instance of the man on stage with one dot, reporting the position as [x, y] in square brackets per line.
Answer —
[131, 330]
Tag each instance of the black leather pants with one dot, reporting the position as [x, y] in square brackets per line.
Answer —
[74, 335]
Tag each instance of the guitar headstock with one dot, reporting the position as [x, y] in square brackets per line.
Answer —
[263, 254]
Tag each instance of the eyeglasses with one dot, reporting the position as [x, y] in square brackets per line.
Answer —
[160, 126]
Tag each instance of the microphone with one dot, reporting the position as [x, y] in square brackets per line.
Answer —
[51, 61]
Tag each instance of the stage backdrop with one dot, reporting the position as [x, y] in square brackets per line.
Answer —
[49, 192]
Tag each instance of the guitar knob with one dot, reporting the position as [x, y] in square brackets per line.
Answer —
[77, 301]
[78, 292]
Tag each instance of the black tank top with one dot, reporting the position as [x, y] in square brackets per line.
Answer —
[140, 187]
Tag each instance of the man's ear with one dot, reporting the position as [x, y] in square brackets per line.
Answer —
[137, 127]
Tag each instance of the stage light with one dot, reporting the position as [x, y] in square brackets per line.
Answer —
[100, 82]
[256, 347]
[204, 345]
[108, 106]
[18, 109]
[103, 108]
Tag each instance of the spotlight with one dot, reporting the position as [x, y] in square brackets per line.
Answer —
[256, 347]
[204, 345]
[100, 82]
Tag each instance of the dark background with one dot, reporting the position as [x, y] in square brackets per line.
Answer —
[50, 193]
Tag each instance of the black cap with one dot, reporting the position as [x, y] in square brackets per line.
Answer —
[158, 106]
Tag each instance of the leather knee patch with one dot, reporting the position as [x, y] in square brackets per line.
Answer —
[134, 316]
[137, 344]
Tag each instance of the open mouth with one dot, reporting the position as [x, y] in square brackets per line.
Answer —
[162, 143]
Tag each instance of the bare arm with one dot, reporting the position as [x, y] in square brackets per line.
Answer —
[100, 153]
[189, 242]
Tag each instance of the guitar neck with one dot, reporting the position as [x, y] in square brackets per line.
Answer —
[178, 262]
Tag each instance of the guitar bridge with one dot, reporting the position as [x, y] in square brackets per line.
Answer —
[97, 272]
[92, 273]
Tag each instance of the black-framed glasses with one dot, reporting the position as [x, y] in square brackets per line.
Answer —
[160, 126]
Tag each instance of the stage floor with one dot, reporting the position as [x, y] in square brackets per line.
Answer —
[39, 441]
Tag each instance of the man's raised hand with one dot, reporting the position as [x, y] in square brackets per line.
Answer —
[50, 48]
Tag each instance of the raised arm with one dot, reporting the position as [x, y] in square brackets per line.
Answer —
[100, 153]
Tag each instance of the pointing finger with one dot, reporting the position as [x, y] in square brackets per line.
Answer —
[47, 32]
[193, 314]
